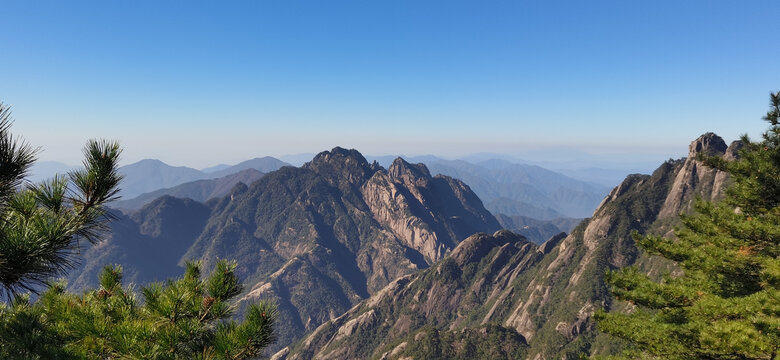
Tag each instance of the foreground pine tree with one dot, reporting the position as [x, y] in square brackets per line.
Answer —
[180, 319]
[41, 225]
[726, 304]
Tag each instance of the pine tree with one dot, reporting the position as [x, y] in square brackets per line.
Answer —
[41, 225]
[726, 303]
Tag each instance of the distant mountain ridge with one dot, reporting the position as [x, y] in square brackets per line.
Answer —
[525, 190]
[150, 175]
[199, 190]
[43, 170]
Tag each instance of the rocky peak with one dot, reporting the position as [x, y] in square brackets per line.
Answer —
[732, 153]
[708, 144]
[401, 169]
[695, 179]
[340, 163]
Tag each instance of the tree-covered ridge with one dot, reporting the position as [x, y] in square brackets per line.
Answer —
[726, 302]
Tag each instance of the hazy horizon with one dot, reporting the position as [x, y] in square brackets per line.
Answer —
[554, 157]
[199, 84]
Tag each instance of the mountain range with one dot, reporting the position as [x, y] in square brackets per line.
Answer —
[506, 188]
[199, 190]
[371, 262]
[545, 294]
[150, 175]
[316, 239]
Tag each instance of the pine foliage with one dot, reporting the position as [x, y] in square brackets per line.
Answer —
[184, 318]
[41, 224]
[726, 302]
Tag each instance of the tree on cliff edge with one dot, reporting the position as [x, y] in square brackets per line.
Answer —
[726, 304]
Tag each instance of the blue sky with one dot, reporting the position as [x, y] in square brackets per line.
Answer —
[199, 83]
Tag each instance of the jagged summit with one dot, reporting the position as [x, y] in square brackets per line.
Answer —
[708, 144]
[338, 154]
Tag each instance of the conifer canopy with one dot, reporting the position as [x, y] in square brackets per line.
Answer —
[726, 302]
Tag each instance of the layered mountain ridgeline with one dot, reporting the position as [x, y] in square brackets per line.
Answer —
[524, 190]
[537, 231]
[316, 239]
[546, 294]
[149, 175]
[200, 190]
[263, 164]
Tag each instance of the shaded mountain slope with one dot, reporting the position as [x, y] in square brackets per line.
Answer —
[148, 244]
[546, 294]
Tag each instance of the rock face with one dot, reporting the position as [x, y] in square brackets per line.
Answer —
[426, 213]
[545, 293]
[472, 274]
[319, 239]
[694, 175]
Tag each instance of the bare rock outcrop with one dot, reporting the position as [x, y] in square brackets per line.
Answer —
[697, 179]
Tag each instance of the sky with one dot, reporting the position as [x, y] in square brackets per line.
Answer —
[199, 83]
